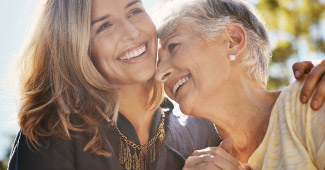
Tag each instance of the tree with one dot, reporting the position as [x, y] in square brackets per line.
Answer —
[297, 23]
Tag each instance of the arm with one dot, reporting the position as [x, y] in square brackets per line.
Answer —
[315, 81]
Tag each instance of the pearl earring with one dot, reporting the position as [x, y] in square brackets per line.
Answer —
[232, 57]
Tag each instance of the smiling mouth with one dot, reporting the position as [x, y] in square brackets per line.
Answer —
[134, 53]
[180, 83]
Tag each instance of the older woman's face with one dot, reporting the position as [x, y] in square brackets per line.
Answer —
[192, 68]
[123, 41]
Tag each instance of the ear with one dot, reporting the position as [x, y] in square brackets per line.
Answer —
[237, 39]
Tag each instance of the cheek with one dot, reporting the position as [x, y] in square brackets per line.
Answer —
[208, 76]
[150, 26]
[102, 56]
[147, 26]
[103, 49]
[212, 83]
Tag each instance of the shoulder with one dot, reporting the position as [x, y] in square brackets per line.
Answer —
[289, 101]
[186, 134]
[182, 122]
[58, 155]
[288, 104]
[304, 122]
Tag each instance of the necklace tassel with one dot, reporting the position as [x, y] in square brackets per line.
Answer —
[138, 160]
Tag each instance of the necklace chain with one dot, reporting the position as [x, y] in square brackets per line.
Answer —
[138, 160]
[146, 145]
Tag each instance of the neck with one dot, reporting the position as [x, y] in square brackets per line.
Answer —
[133, 105]
[241, 111]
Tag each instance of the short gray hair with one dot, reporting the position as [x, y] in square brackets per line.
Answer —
[210, 18]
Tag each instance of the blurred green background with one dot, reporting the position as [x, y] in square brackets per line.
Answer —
[296, 29]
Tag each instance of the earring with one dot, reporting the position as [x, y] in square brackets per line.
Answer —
[232, 57]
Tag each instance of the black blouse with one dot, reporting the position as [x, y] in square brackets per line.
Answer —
[184, 134]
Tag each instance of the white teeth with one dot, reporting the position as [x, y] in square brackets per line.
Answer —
[179, 83]
[134, 53]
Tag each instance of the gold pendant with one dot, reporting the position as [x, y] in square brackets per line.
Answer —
[161, 139]
[142, 161]
[152, 154]
[136, 160]
[121, 152]
[128, 162]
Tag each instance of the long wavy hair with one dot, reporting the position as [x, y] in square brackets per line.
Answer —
[58, 79]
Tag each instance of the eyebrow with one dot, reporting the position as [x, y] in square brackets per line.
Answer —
[107, 16]
[169, 38]
[132, 3]
[99, 19]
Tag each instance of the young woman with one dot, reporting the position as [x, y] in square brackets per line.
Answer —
[214, 59]
[89, 100]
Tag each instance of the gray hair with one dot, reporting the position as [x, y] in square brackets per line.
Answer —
[210, 18]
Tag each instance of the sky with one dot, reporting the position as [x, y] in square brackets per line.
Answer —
[14, 18]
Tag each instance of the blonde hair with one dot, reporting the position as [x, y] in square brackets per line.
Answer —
[58, 80]
[210, 18]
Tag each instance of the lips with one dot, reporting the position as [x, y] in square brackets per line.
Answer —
[133, 53]
[179, 83]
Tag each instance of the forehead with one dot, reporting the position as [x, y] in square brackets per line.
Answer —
[180, 32]
[98, 7]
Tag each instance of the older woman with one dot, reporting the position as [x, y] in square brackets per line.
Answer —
[214, 59]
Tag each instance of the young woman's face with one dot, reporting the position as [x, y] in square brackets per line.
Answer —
[123, 41]
[192, 68]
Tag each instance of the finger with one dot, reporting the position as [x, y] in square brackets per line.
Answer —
[247, 167]
[311, 81]
[300, 68]
[319, 96]
[222, 163]
[226, 144]
[205, 166]
[216, 151]
[241, 167]
[194, 160]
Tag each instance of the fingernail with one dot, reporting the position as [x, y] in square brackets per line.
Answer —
[297, 73]
[304, 99]
[314, 104]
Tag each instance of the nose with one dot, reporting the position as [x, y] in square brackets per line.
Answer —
[164, 70]
[129, 31]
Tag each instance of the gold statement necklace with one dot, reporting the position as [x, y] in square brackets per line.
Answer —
[138, 160]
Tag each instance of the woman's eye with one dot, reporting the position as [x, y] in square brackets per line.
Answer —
[134, 12]
[172, 46]
[104, 26]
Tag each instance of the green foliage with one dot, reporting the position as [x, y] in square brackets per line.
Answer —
[3, 165]
[301, 20]
[274, 83]
[282, 52]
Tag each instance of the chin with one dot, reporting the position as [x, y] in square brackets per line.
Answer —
[186, 109]
[145, 75]
[191, 108]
